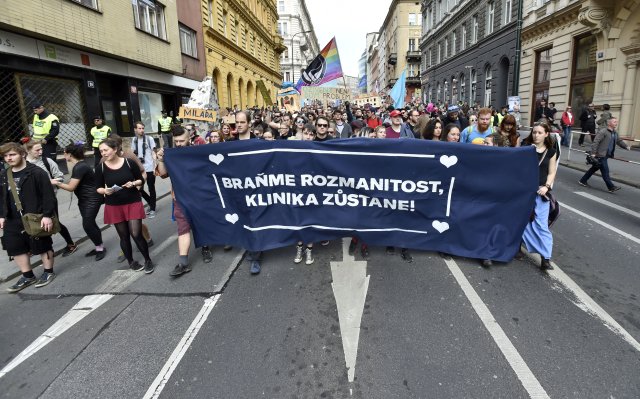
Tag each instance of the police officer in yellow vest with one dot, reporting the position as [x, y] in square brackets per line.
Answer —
[164, 127]
[46, 127]
[99, 132]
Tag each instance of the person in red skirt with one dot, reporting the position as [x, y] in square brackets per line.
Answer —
[117, 178]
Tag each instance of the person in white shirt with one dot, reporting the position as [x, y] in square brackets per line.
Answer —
[143, 146]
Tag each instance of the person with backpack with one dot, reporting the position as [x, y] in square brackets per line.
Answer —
[34, 156]
[143, 147]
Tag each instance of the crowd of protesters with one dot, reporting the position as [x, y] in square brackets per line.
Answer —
[120, 175]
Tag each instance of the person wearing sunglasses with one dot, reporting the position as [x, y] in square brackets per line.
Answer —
[298, 127]
[322, 129]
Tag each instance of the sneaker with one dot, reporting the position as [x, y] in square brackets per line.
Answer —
[151, 214]
[614, 189]
[352, 246]
[255, 267]
[391, 250]
[298, 257]
[487, 263]
[121, 257]
[180, 269]
[150, 243]
[324, 243]
[207, 256]
[69, 250]
[149, 267]
[101, 254]
[93, 252]
[227, 248]
[135, 266]
[406, 256]
[365, 252]
[22, 283]
[520, 255]
[308, 254]
[45, 279]
[582, 184]
[146, 212]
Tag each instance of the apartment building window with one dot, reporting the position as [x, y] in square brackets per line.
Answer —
[280, 5]
[491, 10]
[440, 10]
[454, 39]
[283, 28]
[462, 87]
[412, 70]
[474, 85]
[446, 47]
[488, 76]
[188, 41]
[412, 19]
[211, 6]
[475, 30]
[225, 16]
[541, 78]
[583, 77]
[439, 53]
[463, 43]
[438, 92]
[149, 17]
[429, 58]
[88, 3]
[287, 76]
[507, 10]
[412, 44]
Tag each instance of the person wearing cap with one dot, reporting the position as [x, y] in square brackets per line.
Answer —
[393, 131]
[46, 127]
[99, 132]
[453, 116]
[164, 127]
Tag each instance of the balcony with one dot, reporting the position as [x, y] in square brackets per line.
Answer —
[393, 58]
[392, 82]
[413, 56]
[413, 80]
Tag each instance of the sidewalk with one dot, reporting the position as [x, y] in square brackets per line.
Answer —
[620, 171]
[70, 217]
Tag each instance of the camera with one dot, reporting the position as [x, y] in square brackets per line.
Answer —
[591, 160]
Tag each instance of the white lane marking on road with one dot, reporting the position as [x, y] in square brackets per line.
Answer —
[517, 363]
[161, 380]
[591, 307]
[601, 223]
[609, 204]
[116, 282]
[350, 285]
[79, 311]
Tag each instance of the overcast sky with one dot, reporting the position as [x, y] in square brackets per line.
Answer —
[349, 21]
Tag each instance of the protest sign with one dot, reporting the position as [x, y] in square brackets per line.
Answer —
[461, 199]
[326, 95]
[198, 114]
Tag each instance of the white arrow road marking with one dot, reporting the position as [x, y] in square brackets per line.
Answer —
[350, 285]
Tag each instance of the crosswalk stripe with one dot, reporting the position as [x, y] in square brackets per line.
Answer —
[609, 204]
[517, 363]
[601, 223]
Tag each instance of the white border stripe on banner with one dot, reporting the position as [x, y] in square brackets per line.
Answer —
[517, 363]
[300, 150]
[316, 226]
[453, 180]
[161, 380]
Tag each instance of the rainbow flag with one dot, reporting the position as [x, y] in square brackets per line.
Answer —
[324, 68]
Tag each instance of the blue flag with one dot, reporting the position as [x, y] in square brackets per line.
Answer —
[467, 200]
[363, 82]
[399, 90]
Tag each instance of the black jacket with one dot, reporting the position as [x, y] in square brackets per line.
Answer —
[36, 192]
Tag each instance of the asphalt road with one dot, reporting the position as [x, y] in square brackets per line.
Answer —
[427, 329]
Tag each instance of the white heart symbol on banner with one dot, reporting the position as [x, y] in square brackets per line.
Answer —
[440, 226]
[448, 161]
[231, 218]
[217, 159]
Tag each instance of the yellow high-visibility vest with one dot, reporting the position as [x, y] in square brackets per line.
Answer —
[41, 127]
[165, 123]
[99, 135]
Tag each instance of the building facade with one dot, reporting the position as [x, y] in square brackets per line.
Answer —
[243, 50]
[400, 37]
[371, 69]
[581, 51]
[294, 24]
[469, 51]
[128, 66]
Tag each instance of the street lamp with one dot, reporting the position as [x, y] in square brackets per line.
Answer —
[293, 74]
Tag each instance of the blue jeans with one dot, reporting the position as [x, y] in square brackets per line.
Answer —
[567, 135]
[604, 171]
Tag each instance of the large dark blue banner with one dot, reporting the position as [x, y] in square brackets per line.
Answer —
[461, 199]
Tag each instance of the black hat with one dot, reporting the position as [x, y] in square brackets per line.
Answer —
[98, 117]
[37, 104]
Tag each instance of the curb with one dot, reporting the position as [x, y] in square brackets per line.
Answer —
[616, 179]
[58, 252]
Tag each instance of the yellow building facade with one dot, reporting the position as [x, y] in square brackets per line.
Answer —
[243, 48]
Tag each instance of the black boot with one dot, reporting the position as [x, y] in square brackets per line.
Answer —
[545, 264]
